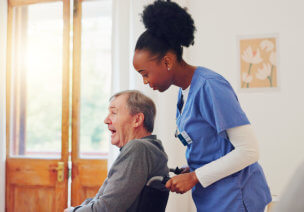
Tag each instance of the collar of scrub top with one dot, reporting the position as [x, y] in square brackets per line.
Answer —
[177, 134]
[180, 103]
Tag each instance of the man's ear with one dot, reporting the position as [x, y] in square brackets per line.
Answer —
[139, 119]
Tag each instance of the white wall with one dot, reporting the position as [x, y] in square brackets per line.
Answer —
[277, 116]
[3, 15]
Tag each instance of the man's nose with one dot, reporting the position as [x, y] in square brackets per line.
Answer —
[107, 121]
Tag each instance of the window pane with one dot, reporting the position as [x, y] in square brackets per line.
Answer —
[95, 77]
[37, 80]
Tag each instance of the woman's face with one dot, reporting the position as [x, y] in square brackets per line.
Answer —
[154, 72]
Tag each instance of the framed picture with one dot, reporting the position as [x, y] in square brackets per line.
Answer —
[258, 62]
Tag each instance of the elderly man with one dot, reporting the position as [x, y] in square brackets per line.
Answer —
[130, 121]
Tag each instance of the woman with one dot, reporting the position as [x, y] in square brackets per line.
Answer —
[222, 150]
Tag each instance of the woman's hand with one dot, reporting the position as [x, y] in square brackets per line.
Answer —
[185, 169]
[182, 183]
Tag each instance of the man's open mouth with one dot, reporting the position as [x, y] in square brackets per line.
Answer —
[112, 131]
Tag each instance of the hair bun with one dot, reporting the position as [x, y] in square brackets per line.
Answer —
[167, 20]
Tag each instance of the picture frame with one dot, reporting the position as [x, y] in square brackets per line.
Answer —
[258, 63]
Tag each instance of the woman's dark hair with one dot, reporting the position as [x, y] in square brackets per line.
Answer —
[168, 27]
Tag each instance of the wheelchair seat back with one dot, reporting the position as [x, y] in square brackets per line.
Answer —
[153, 200]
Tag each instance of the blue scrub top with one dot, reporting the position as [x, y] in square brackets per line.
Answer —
[212, 107]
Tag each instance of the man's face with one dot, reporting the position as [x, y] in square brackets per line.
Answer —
[119, 121]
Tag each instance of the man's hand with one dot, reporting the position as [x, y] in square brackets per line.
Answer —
[182, 183]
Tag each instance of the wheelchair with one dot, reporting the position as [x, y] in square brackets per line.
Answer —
[152, 199]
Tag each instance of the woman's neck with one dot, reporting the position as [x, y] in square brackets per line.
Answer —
[183, 73]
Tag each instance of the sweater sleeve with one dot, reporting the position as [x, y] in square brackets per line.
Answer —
[244, 154]
[126, 179]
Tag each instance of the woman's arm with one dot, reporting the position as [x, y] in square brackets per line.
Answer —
[246, 152]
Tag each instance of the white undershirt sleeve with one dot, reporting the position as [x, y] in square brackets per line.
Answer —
[246, 152]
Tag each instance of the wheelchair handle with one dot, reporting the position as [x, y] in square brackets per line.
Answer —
[162, 179]
[176, 171]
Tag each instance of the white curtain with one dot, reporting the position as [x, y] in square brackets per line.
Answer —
[3, 20]
[127, 27]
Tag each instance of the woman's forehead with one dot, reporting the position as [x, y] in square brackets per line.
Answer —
[143, 58]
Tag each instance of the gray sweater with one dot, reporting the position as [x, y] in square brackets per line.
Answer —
[138, 161]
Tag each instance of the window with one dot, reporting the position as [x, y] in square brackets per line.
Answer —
[36, 80]
[36, 76]
[95, 83]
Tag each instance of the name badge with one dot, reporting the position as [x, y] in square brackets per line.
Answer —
[183, 137]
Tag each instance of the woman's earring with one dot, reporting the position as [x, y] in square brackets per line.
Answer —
[168, 69]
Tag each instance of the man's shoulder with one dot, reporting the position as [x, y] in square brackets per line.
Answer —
[143, 144]
[138, 144]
